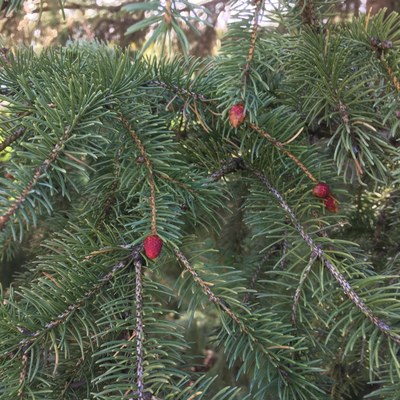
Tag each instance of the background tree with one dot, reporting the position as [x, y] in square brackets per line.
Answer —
[43, 24]
[217, 228]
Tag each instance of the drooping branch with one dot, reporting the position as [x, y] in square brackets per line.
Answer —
[64, 316]
[345, 285]
[223, 306]
[58, 147]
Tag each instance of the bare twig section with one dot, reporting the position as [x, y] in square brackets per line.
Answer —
[232, 165]
[149, 166]
[280, 146]
[139, 329]
[345, 285]
[22, 375]
[58, 147]
[296, 296]
[344, 114]
[206, 289]
[12, 138]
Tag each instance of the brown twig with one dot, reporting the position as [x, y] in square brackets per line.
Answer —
[149, 166]
[281, 147]
[253, 39]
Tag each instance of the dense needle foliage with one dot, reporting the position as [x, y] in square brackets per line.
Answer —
[262, 290]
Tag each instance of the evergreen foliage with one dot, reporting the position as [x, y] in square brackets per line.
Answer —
[290, 300]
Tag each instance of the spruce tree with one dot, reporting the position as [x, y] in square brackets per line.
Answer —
[219, 228]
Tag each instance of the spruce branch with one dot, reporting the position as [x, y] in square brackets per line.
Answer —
[58, 147]
[279, 145]
[64, 316]
[149, 166]
[340, 279]
[139, 328]
[12, 138]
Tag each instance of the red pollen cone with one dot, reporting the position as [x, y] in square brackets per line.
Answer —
[321, 190]
[152, 246]
[331, 204]
[237, 115]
